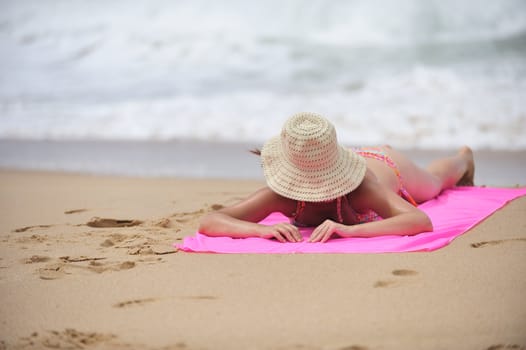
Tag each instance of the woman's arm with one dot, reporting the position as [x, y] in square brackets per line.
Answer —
[240, 220]
[399, 216]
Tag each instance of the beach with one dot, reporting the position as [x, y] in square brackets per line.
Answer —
[123, 123]
[87, 263]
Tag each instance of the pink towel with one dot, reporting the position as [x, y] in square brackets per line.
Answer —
[453, 212]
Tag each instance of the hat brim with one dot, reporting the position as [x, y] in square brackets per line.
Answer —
[344, 175]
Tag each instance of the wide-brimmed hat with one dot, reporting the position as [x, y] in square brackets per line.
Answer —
[306, 163]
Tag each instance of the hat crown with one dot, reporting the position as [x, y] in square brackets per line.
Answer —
[309, 142]
[306, 163]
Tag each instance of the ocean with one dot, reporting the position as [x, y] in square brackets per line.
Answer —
[425, 75]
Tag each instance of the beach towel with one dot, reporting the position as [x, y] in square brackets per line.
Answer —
[452, 213]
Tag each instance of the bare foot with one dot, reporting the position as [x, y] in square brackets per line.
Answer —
[468, 178]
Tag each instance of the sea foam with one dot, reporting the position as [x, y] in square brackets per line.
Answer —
[434, 74]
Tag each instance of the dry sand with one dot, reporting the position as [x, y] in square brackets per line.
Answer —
[71, 281]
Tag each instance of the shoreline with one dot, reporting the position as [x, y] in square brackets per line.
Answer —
[205, 160]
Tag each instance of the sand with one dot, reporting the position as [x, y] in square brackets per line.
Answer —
[86, 263]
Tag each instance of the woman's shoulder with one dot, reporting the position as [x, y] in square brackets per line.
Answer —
[370, 182]
[368, 189]
[268, 193]
[267, 197]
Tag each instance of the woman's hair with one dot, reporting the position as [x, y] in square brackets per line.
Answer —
[255, 151]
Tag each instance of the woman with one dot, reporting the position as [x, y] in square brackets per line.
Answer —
[316, 182]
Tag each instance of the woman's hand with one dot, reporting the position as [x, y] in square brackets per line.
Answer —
[283, 232]
[323, 232]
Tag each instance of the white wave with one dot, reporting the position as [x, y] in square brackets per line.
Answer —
[431, 74]
[358, 22]
[424, 108]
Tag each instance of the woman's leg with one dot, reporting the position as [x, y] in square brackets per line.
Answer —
[443, 173]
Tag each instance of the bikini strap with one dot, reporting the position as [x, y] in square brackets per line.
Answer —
[339, 209]
[407, 196]
[300, 205]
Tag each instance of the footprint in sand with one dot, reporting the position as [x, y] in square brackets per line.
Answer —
[37, 259]
[182, 219]
[298, 347]
[185, 217]
[107, 243]
[310, 347]
[135, 302]
[354, 347]
[26, 228]
[98, 267]
[69, 259]
[392, 283]
[52, 271]
[200, 297]
[216, 207]
[403, 272]
[176, 346]
[154, 249]
[115, 238]
[386, 283]
[33, 239]
[67, 264]
[108, 222]
[164, 223]
[507, 347]
[66, 339]
[138, 245]
[75, 211]
[496, 242]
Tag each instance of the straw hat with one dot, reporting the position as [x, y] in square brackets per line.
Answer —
[306, 163]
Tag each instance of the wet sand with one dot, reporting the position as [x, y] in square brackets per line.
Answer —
[204, 160]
